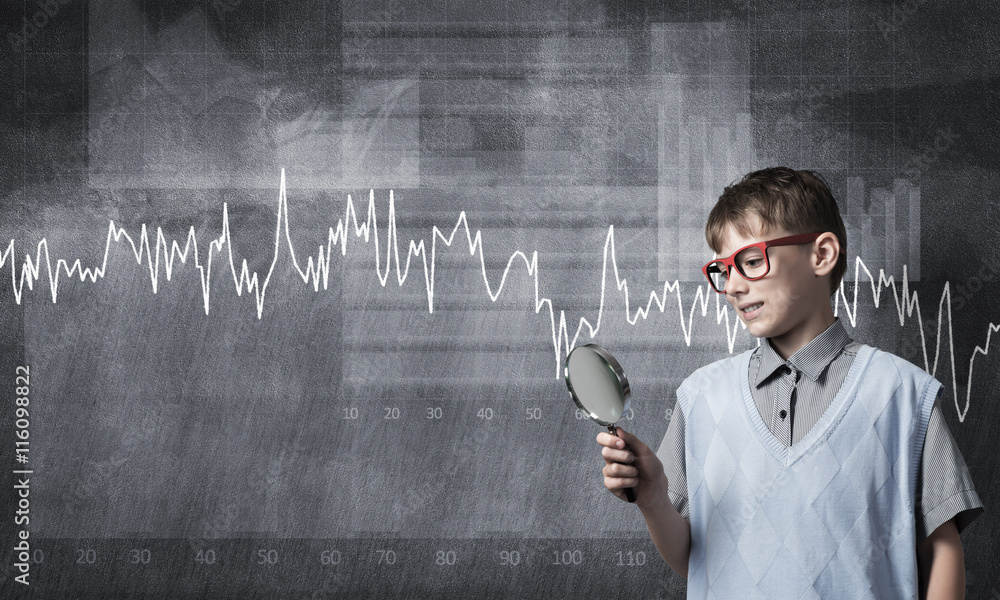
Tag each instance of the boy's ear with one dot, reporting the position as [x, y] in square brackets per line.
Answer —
[826, 251]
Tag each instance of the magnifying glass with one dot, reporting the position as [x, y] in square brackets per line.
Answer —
[598, 387]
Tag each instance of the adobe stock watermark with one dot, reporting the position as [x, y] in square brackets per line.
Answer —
[335, 585]
[733, 10]
[961, 295]
[901, 13]
[965, 291]
[392, 9]
[370, 32]
[90, 481]
[695, 46]
[31, 24]
[76, 155]
[218, 525]
[415, 500]
[944, 139]
[913, 345]
[224, 7]
[880, 545]
[815, 98]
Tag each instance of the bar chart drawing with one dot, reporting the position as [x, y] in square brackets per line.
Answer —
[705, 138]
[883, 227]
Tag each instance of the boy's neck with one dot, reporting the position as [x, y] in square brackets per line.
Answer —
[790, 342]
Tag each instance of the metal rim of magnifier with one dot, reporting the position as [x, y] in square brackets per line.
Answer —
[614, 368]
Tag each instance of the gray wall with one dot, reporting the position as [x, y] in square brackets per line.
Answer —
[407, 398]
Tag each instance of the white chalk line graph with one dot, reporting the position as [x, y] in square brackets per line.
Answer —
[317, 269]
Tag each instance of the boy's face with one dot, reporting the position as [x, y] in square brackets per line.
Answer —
[787, 304]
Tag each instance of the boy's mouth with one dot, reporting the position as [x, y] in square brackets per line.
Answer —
[750, 310]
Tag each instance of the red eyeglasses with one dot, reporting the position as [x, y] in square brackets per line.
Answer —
[751, 261]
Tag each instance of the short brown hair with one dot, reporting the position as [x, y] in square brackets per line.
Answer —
[796, 201]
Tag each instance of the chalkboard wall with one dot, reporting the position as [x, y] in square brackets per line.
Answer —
[288, 284]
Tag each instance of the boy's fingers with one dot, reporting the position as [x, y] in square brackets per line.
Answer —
[617, 483]
[606, 439]
[621, 456]
[619, 470]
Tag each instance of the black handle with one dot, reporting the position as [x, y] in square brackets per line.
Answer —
[629, 492]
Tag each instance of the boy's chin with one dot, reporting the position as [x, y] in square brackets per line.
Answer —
[757, 328]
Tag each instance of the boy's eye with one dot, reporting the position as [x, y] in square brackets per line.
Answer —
[752, 264]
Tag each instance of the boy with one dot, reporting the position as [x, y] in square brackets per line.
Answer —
[812, 466]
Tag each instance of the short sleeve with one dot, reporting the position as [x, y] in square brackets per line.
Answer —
[671, 454]
[946, 490]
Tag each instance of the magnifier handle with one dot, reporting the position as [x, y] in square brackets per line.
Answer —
[629, 492]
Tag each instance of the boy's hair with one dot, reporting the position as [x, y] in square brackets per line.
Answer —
[796, 201]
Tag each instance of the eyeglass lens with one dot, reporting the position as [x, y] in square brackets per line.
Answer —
[751, 263]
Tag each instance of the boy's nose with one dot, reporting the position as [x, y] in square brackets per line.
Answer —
[735, 284]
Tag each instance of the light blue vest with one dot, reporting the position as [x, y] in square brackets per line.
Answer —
[829, 517]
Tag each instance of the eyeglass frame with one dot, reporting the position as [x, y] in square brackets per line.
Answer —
[730, 261]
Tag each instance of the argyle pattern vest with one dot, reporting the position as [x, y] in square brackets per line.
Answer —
[829, 517]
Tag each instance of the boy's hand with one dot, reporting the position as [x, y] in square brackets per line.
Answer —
[629, 463]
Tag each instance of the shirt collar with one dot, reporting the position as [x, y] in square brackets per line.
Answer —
[810, 359]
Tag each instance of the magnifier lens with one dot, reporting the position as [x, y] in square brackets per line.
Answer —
[596, 386]
[599, 387]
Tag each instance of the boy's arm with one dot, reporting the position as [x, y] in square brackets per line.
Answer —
[945, 491]
[633, 464]
[941, 564]
[671, 534]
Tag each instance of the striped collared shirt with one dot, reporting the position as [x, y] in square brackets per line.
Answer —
[823, 364]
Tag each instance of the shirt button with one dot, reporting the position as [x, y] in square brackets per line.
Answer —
[783, 414]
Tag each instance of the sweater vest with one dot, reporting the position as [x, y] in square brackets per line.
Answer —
[829, 517]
